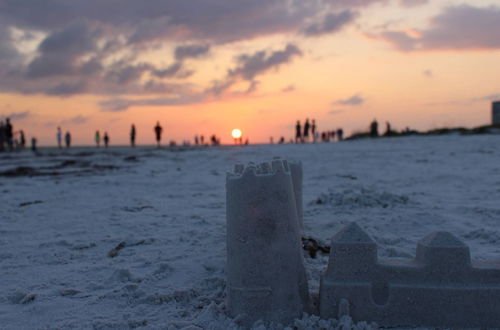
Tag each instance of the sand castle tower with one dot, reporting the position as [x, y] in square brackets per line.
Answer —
[265, 268]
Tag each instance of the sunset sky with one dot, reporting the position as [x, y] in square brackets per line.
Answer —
[208, 66]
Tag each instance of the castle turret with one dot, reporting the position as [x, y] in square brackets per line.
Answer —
[265, 269]
[443, 254]
[353, 253]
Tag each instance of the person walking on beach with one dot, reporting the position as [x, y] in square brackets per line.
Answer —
[374, 129]
[313, 130]
[59, 137]
[158, 130]
[97, 138]
[2, 136]
[67, 139]
[298, 132]
[340, 134]
[22, 139]
[33, 144]
[132, 135]
[9, 135]
[307, 126]
[106, 139]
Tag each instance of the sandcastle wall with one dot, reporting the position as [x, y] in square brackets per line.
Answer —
[441, 287]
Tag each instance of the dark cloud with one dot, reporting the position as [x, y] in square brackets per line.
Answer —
[175, 70]
[331, 23]
[354, 100]
[60, 52]
[458, 27]
[191, 51]
[122, 72]
[251, 65]
[67, 88]
[97, 47]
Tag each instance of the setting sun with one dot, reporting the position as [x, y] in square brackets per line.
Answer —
[236, 133]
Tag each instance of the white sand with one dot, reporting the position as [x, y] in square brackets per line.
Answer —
[169, 210]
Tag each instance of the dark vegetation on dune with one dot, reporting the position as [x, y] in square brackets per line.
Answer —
[486, 129]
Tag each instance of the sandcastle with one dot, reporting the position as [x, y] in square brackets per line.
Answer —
[440, 287]
[265, 268]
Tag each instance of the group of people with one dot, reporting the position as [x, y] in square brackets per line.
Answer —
[105, 138]
[11, 140]
[67, 138]
[309, 133]
[388, 129]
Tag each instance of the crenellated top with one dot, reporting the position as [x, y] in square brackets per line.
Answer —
[276, 166]
[440, 257]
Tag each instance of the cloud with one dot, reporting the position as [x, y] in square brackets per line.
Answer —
[67, 88]
[489, 98]
[251, 65]
[428, 73]
[289, 88]
[77, 120]
[335, 112]
[460, 27]
[102, 47]
[123, 104]
[18, 115]
[175, 70]
[354, 100]
[331, 23]
[413, 3]
[191, 51]
[60, 52]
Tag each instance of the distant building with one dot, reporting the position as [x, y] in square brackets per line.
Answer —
[496, 112]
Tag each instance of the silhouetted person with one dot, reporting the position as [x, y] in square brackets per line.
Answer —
[307, 127]
[132, 136]
[374, 129]
[3, 138]
[196, 140]
[67, 139]
[202, 140]
[33, 144]
[313, 130]
[282, 140]
[298, 132]
[22, 139]
[158, 130]
[340, 134]
[9, 134]
[387, 129]
[214, 140]
[97, 138]
[59, 137]
[106, 139]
